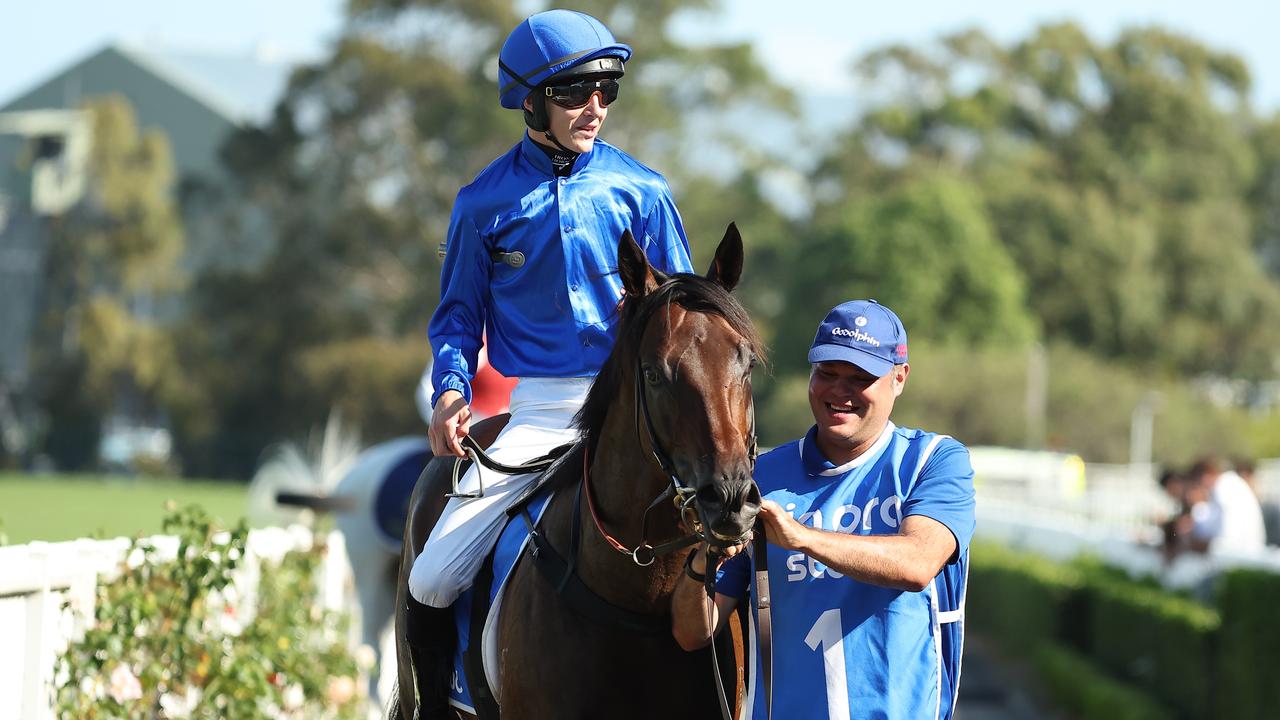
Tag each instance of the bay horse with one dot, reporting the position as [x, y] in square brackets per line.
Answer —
[667, 447]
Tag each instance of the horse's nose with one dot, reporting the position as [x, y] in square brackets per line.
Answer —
[729, 497]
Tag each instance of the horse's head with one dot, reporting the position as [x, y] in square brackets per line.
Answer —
[692, 348]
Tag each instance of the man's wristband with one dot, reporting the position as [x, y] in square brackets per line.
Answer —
[693, 574]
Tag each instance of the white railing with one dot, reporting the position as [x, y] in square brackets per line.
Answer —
[1058, 507]
[47, 600]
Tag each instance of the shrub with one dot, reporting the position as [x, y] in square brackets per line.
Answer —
[1081, 688]
[1020, 599]
[171, 638]
[1162, 642]
[1249, 647]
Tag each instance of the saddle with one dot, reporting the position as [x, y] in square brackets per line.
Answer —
[474, 688]
[471, 610]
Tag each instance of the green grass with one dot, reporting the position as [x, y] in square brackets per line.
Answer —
[66, 507]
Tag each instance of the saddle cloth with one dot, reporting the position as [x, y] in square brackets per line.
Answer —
[391, 504]
[511, 545]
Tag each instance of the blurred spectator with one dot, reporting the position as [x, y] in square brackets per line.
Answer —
[1230, 521]
[1176, 530]
[1270, 508]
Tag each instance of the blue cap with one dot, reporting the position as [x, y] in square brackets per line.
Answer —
[862, 332]
[547, 43]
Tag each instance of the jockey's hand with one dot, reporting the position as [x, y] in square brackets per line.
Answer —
[450, 422]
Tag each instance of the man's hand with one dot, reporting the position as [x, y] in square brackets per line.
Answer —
[782, 529]
[450, 422]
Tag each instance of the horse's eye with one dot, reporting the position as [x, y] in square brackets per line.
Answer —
[651, 376]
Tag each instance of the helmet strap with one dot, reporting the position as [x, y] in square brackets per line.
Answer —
[556, 142]
[539, 121]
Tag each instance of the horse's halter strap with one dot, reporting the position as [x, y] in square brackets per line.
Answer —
[684, 494]
[645, 553]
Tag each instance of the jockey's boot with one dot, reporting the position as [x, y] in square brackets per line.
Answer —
[432, 638]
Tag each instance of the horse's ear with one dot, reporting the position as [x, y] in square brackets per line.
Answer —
[726, 266]
[638, 278]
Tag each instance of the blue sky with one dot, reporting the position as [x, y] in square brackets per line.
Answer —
[40, 37]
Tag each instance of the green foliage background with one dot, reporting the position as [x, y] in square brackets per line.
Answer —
[1111, 202]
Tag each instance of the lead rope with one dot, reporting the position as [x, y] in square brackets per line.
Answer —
[764, 624]
[764, 613]
[709, 585]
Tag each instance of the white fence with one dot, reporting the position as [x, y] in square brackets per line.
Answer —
[1058, 506]
[47, 597]
[1049, 503]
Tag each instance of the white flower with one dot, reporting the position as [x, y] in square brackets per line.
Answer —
[340, 691]
[93, 687]
[124, 684]
[228, 624]
[180, 706]
[293, 697]
[365, 656]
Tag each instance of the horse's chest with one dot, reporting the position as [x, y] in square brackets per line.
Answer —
[557, 664]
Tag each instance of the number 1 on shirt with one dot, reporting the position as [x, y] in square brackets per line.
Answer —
[828, 633]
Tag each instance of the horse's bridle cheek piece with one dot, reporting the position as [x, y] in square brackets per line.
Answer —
[683, 495]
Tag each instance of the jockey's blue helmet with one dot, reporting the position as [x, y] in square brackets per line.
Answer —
[550, 47]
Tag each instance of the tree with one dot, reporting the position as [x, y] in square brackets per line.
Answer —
[355, 178]
[111, 270]
[1121, 179]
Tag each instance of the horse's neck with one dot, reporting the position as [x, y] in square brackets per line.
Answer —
[623, 483]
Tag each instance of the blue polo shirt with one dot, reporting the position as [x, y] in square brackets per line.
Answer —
[847, 649]
[553, 314]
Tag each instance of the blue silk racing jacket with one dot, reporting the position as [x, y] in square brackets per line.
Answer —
[531, 262]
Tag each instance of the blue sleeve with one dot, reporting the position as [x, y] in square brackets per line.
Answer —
[457, 326]
[734, 576]
[663, 237]
[944, 492]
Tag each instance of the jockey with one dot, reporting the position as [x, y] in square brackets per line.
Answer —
[531, 264]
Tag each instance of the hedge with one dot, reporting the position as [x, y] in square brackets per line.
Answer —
[1249, 644]
[1081, 688]
[1160, 642]
[1019, 599]
[1164, 644]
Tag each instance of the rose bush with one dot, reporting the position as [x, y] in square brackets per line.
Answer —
[176, 639]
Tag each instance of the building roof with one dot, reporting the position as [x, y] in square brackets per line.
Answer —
[242, 88]
[196, 99]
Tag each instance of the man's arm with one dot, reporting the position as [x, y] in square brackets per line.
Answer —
[908, 560]
[694, 618]
[456, 329]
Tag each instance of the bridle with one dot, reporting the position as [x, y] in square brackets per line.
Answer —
[682, 495]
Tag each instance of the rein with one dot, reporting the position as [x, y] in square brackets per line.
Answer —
[480, 457]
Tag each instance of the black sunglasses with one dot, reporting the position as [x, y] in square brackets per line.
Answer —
[576, 95]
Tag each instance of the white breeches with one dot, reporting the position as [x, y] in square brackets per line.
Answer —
[542, 411]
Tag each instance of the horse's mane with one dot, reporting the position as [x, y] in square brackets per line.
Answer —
[692, 292]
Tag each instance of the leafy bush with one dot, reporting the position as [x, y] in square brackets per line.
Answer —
[172, 638]
[1081, 688]
[1249, 649]
[1169, 646]
[1162, 642]
[1020, 598]
[978, 393]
